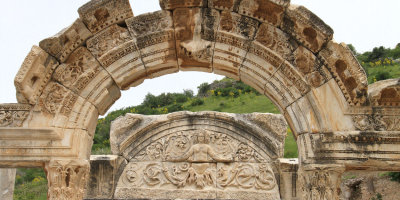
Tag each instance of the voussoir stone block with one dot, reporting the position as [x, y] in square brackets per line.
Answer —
[233, 41]
[195, 32]
[117, 52]
[99, 14]
[155, 38]
[34, 74]
[172, 4]
[306, 27]
[65, 42]
[269, 11]
[310, 67]
[83, 74]
[347, 71]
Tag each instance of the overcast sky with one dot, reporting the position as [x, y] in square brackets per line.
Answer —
[363, 23]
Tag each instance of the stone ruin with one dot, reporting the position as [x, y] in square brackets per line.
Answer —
[284, 51]
[184, 155]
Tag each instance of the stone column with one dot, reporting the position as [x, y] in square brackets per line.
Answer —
[7, 181]
[67, 179]
[320, 182]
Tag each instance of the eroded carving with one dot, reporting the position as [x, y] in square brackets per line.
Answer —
[266, 11]
[172, 4]
[64, 43]
[67, 179]
[13, 115]
[33, 75]
[99, 14]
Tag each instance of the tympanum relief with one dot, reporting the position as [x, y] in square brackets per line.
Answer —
[199, 160]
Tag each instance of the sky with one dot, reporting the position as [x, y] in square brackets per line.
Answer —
[364, 23]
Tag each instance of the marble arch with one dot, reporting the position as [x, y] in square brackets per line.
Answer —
[282, 50]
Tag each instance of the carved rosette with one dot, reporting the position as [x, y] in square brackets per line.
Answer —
[13, 115]
[67, 179]
[321, 183]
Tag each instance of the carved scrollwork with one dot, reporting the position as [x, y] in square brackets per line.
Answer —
[13, 115]
[67, 179]
[376, 122]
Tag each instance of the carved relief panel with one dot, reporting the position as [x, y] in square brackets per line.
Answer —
[200, 164]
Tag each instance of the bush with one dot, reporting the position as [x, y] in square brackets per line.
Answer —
[197, 102]
[382, 75]
[394, 176]
[202, 89]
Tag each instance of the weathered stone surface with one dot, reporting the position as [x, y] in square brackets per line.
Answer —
[385, 93]
[172, 4]
[65, 42]
[269, 11]
[13, 114]
[60, 107]
[321, 182]
[33, 75]
[346, 70]
[82, 74]
[195, 37]
[199, 155]
[7, 181]
[306, 27]
[99, 14]
[155, 38]
[234, 35]
[118, 54]
[104, 171]
[289, 182]
[311, 68]
[67, 178]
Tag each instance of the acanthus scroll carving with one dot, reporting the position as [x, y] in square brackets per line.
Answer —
[67, 179]
[376, 122]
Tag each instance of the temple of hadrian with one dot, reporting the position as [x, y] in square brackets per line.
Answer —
[282, 50]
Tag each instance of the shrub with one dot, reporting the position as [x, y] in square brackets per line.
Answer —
[197, 102]
[382, 75]
[394, 176]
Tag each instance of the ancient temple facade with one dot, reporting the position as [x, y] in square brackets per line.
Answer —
[282, 50]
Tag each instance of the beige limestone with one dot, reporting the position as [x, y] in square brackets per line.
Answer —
[34, 75]
[199, 155]
[284, 51]
[7, 181]
[155, 38]
[99, 14]
[65, 42]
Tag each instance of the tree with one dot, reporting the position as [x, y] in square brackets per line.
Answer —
[377, 53]
[353, 49]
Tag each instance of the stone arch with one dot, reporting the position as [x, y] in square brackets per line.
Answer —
[282, 50]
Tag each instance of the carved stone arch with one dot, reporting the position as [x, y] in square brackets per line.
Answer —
[282, 50]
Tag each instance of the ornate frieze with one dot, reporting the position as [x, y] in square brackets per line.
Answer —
[13, 115]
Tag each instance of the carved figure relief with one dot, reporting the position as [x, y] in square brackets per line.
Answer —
[198, 160]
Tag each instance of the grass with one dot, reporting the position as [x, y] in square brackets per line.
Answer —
[393, 72]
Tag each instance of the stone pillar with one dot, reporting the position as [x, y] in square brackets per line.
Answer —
[7, 182]
[67, 179]
[320, 182]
